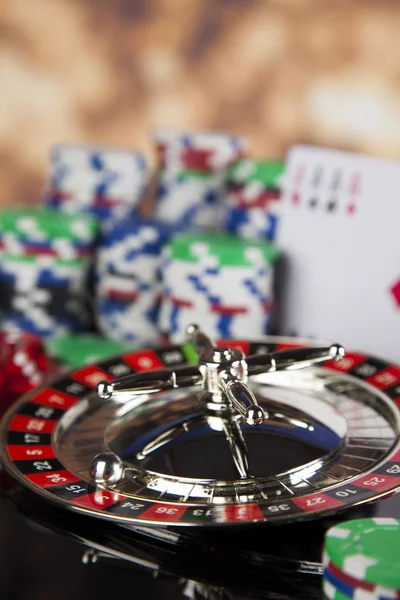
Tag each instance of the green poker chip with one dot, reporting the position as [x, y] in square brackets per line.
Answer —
[367, 549]
[190, 353]
[45, 224]
[248, 170]
[221, 249]
[35, 260]
[78, 350]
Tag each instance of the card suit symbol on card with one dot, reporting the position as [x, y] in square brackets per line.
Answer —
[351, 208]
[395, 291]
[313, 202]
[331, 206]
[296, 198]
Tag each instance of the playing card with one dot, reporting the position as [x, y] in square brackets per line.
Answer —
[339, 233]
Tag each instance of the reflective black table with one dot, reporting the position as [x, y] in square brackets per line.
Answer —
[48, 553]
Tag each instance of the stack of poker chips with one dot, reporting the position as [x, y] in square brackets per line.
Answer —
[191, 176]
[251, 205]
[44, 265]
[127, 294]
[105, 182]
[24, 365]
[362, 560]
[223, 282]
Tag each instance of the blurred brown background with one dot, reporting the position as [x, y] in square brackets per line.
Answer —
[279, 71]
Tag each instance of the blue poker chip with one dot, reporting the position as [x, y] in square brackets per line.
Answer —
[113, 306]
[45, 276]
[126, 322]
[32, 247]
[189, 201]
[103, 212]
[127, 288]
[43, 300]
[41, 327]
[105, 182]
[151, 234]
[238, 221]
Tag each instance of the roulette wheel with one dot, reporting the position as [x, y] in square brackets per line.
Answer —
[220, 464]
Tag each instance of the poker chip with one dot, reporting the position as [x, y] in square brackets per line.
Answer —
[204, 151]
[251, 204]
[221, 281]
[331, 593]
[361, 559]
[221, 249]
[105, 182]
[40, 231]
[24, 365]
[247, 170]
[78, 350]
[189, 200]
[191, 175]
[44, 269]
[336, 582]
[127, 288]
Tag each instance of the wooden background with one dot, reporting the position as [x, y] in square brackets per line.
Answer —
[279, 71]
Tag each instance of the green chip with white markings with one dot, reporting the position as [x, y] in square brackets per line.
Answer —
[367, 549]
[221, 250]
[78, 350]
[248, 170]
[45, 224]
[32, 261]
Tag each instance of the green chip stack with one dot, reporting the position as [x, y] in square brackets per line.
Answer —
[221, 281]
[45, 260]
[362, 560]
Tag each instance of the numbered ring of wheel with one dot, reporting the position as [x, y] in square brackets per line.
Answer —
[331, 440]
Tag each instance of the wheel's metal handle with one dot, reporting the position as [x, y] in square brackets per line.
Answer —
[243, 400]
[222, 372]
[293, 358]
[203, 345]
[151, 382]
[225, 370]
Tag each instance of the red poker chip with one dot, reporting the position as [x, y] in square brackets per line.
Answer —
[24, 365]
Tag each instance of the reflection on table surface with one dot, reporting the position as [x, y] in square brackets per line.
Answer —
[38, 564]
